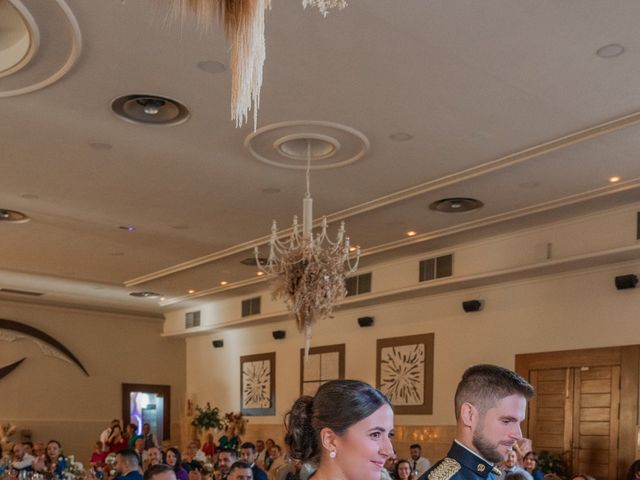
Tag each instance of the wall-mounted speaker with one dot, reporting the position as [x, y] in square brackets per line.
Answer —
[472, 306]
[218, 343]
[626, 281]
[278, 334]
[365, 321]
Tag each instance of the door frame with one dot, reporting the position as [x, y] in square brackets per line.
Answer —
[164, 390]
[628, 357]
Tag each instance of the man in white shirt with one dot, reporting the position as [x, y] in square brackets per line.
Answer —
[419, 463]
[510, 465]
[21, 460]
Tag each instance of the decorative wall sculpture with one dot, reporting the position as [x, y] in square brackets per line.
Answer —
[11, 331]
[258, 384]
[404, 372]
[324, 364]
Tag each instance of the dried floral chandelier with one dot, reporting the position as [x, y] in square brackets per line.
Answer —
[309, 270]
[243, 22]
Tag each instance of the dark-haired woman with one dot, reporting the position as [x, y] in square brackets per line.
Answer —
[403, 471]
[530, 464]
[345, 429]
[634, 471]
[53, 462]
[174, 460]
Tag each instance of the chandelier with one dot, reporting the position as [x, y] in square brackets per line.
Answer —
[244, 28]
[309, 270]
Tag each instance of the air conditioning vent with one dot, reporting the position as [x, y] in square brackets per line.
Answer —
[436, 267]
[192, 319]
[251, 306]
[21, 292]
[358, 285]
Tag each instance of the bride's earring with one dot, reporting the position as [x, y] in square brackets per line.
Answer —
[332, 454]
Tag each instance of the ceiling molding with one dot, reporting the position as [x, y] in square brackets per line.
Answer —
[483, 169]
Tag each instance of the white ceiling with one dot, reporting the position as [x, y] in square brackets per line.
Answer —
[477, 85]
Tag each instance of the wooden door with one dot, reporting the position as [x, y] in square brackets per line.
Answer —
[576, 413]
[596, 408]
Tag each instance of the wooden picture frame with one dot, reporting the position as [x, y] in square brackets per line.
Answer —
[325, 363]
[258, 384]
[404, 372]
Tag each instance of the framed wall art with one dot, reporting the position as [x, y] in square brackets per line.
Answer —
[258, 384]
[404, 373]
[324, 364]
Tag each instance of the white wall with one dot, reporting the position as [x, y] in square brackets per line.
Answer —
[54, 399]
[576, 310]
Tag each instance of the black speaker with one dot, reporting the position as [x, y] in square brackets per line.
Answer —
[278, 334]
[472, 306]
[218, 343]
[365, 321]
[626, 281]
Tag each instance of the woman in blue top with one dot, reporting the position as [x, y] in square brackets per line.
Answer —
[530, 463]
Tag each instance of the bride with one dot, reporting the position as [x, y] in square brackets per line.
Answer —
[345, 430]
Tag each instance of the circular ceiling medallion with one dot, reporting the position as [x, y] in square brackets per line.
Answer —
[287, 144]
[23, 24]
[456, 205]
[12, 216]
[148, 109]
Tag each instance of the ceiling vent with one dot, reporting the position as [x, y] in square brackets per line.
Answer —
[456, 205]
[21, 292]
[150, 110]
[145, 294]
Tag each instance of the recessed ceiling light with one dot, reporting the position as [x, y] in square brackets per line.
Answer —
[401, 137]
[192, 291]
[128, 228]
[353, 249]
[212, 66]
[456, 205]
[162, 299]
[259, 274]
[12, 216]
[614, 179]
[610, 51]
[101, 146]
[224, 282]
[145, 294]
[30, 196]
[411, 233]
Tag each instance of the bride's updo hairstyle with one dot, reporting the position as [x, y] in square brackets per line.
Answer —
[337, 405]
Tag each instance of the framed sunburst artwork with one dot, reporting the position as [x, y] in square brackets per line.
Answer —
[258, 384]
[404, 373]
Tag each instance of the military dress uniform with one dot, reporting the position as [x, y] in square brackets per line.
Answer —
[461, 464]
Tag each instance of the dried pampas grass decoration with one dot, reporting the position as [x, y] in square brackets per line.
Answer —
[243, 22]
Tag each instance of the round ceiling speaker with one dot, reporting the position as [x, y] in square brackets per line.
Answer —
[456, 205]
[12, 216]
[150, 110]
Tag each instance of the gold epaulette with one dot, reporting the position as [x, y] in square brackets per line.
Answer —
[446, 469]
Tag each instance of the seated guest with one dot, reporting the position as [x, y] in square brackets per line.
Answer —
[248, 455]
[240, 471]
[20, 459]
[209, 448]
[199, 472]
[38, 449]
[106, 433]
[510, 465]
[403, 471]
[389, 467]
[174, 460]
[138, 447]
[530, 463]
[28, 448]
[160, 472]
[127, 466]
[53, 461]
[277, 461]
[98, 456]
[194, 453]
[226, 458]
[154, 457]
[229, 441]
[267, 460]
[131, 435]
[419, 463]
